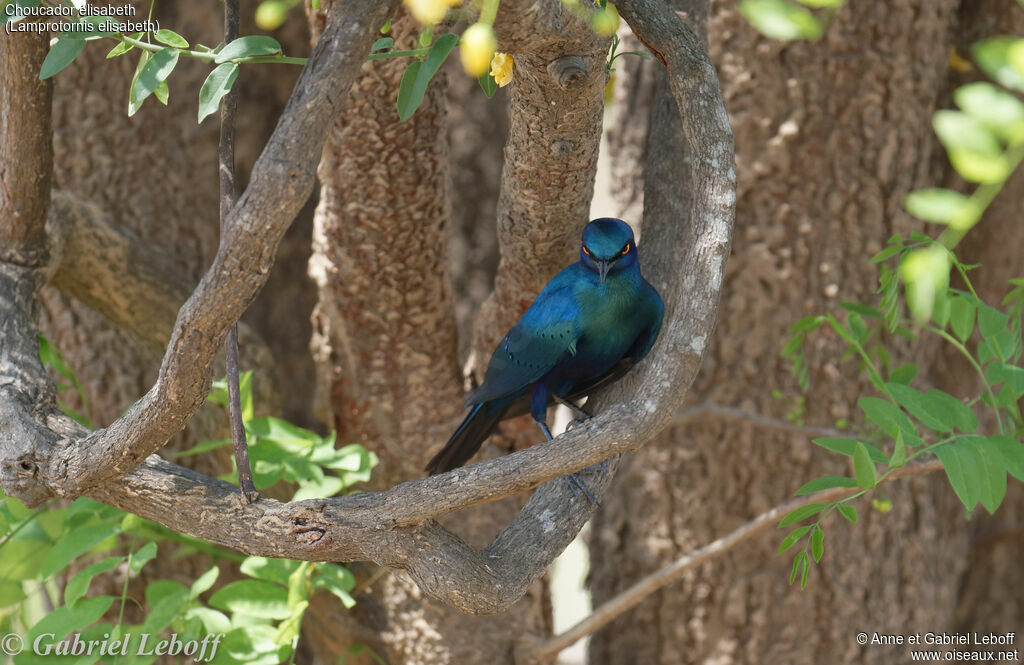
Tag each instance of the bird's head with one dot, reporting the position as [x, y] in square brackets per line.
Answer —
[608, 246]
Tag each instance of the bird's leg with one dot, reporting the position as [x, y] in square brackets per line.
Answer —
[538, 409]
[575, 408]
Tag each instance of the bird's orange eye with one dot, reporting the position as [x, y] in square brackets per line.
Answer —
[625, 250]
[587, 251]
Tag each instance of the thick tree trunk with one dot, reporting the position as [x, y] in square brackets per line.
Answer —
[386, 344]
[829, 139]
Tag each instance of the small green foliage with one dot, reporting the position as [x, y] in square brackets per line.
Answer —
[418, 75]
[782, 20]
[215, 87]
[260, 614]
[250, 46]
[61, 54]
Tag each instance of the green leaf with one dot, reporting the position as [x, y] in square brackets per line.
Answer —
[74, 544]
[848, 512]
[904, 374]
[961, 317]
[488, 85]
[849, 446]
[66, 619]
[249, 46]
[992, 55]
[155, 70]
[281, 431]
[941, 206]
[405, 88]
[145, 554]
[891, 250]
[980, 168]
[931, 412]
[216, 85]
[822, 4]
[792, 538]
[899, 452]
[780, 20]
[120, 49]
[254, 598]
[864, 310]
[162, 93]
[962, 471]
[802, 513]
[997, 109]
[817, 543]
[170, 38]
[796, 567]
[60, 56]
[1011, 375]
[213, 621]
[955, 411]
[11, 593]
[1011, 452]
[271, 570]
[382, 43]
[967, 136]
[991, 472]
[863, 467]
[336, 579]
[314, 489]
[166, 603]
[414, 91]
[79, 584]
[825, 483]
[991, 321]
[889, 417]
[203, 447]
[204, 582]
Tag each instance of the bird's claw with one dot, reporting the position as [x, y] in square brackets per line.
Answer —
[575, 423]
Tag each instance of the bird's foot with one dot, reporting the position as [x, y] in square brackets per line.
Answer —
[576, 485]
[575, 423]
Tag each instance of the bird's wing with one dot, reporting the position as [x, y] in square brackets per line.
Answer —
[546, 335]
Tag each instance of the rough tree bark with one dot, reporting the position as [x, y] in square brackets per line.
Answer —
[393, 528]
[829, 141]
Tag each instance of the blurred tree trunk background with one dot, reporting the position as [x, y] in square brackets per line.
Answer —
[830, 136]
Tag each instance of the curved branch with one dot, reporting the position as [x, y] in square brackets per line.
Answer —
[395, 528]
[673, 572]
[282, 180]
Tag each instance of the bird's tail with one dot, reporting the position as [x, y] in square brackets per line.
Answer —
[468, 438]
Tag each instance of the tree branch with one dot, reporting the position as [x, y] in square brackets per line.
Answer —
[28, 413]
[394, 528]
[673, 572]
[281, 181]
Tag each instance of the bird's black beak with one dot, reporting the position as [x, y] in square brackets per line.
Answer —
[602, 269]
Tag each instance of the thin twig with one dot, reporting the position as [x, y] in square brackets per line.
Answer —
[717, 409]
[674, 571]
[227, 201]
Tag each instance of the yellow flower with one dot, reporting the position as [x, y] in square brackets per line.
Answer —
[501, 68]
[429, 12]
[477, 48]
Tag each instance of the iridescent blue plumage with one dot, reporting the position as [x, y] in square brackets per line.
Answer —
[589, 325]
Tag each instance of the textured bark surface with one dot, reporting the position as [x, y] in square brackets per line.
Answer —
[386, 336]
[395, 528]
[829, 139]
